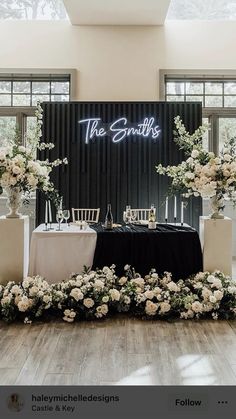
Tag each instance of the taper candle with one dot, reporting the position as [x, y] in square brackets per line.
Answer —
[49, 212]
[182, 213]
[46, 212]
[166, 209]
[175, 208]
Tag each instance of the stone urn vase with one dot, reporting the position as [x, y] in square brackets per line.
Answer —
[14, 195]
[217, 207]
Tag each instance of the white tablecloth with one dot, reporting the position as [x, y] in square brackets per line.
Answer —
[56, 254]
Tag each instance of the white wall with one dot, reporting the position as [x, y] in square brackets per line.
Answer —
[118, 63]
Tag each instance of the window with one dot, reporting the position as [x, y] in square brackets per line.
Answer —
[19, 94]
[27, 91]
[216, 92]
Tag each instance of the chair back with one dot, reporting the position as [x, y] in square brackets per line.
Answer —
[90, 215]
[142, 214]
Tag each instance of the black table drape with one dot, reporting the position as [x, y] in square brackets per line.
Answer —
[171, 248]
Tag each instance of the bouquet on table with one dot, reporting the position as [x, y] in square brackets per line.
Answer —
[203, 173]
[22, 173]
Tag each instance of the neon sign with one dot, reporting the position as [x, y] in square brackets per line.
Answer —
[119, 129]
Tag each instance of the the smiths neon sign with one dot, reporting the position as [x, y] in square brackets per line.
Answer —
[119, 130]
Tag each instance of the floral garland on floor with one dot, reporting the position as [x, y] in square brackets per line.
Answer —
[96, 294]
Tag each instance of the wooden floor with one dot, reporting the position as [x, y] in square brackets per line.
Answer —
[119, 351]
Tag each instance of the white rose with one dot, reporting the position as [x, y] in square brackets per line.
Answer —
[138, 281]
[22, 149]
[77, 294]
[212, 299]
[164, 307]
[122, 280]
[24, 304]
[98, 284]
[157, 291]
[88, 302]
[47, 299]
[197, 307]
[105, 299]
[189, 175]
[33, 291]
[149, 294]
[16, 170]
[232, 289]
[195, 154]
[115, 295]
[227, 157]
[217, 161]
[150, 308]
[16, 290]
[5, 300]
[217, 283]
[172, 286]
[206, 293]
[211, 278]
[102, 310]
[218, 295]
[198, 285]
[200, 276]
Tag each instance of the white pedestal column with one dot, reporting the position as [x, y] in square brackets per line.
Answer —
[216, 241]
[14, 248]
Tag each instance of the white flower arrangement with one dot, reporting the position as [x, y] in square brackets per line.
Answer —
[203, 173]
[19, 167]
[203, 295]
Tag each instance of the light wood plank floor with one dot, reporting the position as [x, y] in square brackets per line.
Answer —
[119, 351]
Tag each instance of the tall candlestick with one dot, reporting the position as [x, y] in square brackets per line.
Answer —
[182, 213]
[175, 208]
[50, 212]
[166, 210]
[46, 214]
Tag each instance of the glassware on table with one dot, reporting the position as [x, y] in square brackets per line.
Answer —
[59, 218]
[128, 214]
[66, 216]
[134, 215]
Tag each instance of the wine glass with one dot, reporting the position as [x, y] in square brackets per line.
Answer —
[134, 215]
[59, 218]
[125, 218]
[128, 214]
[66, 216]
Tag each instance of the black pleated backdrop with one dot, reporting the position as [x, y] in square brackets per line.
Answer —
[101, 171]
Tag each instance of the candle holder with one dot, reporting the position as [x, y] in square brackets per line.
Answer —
[175, 220]
[166, 220]
[46, 227]
[50, 226]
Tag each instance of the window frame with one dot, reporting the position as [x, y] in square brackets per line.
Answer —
[212, 113]
[22, 112]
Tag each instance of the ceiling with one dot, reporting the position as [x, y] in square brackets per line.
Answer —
[117, 12]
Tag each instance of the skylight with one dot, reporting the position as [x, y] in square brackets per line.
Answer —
[32, 10]
[202, 10]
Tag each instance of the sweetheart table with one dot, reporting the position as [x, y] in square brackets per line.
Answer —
[173, 248]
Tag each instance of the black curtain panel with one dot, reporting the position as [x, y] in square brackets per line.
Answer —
[113, 148]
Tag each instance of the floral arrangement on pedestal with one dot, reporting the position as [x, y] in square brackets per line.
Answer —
[203, 173]
[20, 171]
[97, 294]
